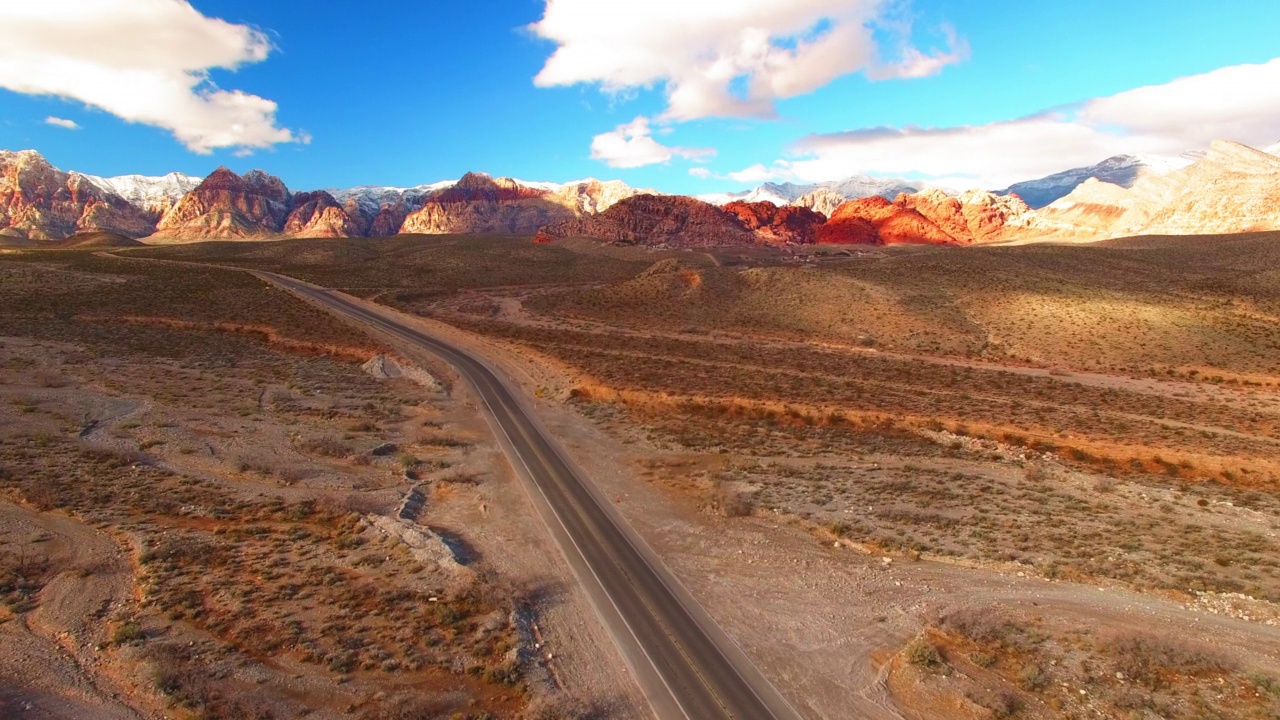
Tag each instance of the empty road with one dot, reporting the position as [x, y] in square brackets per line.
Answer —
[686, 666]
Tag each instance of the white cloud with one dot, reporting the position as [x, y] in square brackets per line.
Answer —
[632, 145]
[145, 61]
[701, 173]
[721, 58]
[1240, 103]
[62, 123]
[916, 64]
[757, 173]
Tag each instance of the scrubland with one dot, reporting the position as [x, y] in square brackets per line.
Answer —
[1091, 417]
[200, 511]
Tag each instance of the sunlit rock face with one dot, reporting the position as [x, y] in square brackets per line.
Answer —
[40, 202]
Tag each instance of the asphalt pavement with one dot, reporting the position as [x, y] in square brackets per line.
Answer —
[684, 663]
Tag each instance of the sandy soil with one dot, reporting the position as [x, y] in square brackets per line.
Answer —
[823, 622]
[49, 668]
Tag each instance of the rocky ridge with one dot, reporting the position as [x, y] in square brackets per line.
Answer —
[42, 203]
[1122, 170]
[657, 220]
[1234, 188]
[1229, 188]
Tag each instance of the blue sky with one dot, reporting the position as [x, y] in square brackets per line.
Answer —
[405, 93]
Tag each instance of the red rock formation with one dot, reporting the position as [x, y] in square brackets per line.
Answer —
[226, 205]
[480, 188]
[787, 225]
[389, 220]
[318, 215]
[992, 217]
[41, 202]
[657, 220]
[942, 210]
[892, 225]
[480, 204]
[848, 230]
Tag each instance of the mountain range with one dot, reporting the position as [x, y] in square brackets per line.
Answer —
[1229, 188]
[858, 186]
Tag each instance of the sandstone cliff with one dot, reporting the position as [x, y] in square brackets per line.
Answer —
[484, 205]
[876, 221]
[40, 202]
[657, 220]
[1234, 188]
[823, 200]
[318, 215]
[226, 205]
[787, 225]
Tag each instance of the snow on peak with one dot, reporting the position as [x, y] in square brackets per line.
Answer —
[143, 190]
[372, 198]
[1122, 170]
[851, 188]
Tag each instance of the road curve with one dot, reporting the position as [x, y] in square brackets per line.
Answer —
[685, 664]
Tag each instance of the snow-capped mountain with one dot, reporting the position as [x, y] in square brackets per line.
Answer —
[153, 195]
[852, 188]
[1122, 170]
[371, 198]
[1274, 149]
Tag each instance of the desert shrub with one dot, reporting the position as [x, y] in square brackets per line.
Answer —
[49, 379]
[176, 675]
[255, 464]
[326, 446]
[1003, 704]
[109, 458]
[1032, 677]
[981, 625]
[127, 633]
[1037, 473]
[458, 477]
[731, 501]
[922, 654]
[1150, 660]
[557, 707]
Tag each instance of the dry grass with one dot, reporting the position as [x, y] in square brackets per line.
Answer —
[228, 461]
[1017, 666]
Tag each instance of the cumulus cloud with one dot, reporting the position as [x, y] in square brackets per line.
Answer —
[721, 58]
[145, 61]
[631, 145]
[1240, 103]
[62, 123]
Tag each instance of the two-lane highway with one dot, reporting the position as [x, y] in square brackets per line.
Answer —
[686, 666]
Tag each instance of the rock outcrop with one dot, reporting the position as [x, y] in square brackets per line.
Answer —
[483, 205]
[154, 196]
[668, 220]
[976, 216]
[786, 225]
[944, 211]
[42, 203]
[318, 215]
[1234, 188]
[1122, 170]
[822, 200]
[226, 205]
[591, 196]
[854, 221]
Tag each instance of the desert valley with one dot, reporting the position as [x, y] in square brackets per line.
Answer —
[997, 476]
[917, 361]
